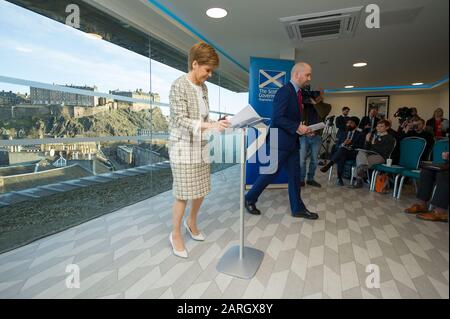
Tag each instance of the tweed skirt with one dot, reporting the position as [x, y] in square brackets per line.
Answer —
[191, 170]
[191, 181]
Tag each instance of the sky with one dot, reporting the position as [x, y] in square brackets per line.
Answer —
[33, 47]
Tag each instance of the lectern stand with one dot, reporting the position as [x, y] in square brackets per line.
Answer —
[241, 261]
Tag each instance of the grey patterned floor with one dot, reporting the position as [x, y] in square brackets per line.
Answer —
[126, 254]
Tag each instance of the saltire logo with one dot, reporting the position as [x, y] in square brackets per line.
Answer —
[271, 79]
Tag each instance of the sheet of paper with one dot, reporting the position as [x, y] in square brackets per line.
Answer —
[318, 126]
[246, 117]
[315, 127]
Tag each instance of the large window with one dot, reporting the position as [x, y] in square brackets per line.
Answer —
[83, 124]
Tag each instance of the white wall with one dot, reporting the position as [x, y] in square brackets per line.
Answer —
[426, 101]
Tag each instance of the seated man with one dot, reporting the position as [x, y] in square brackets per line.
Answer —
[346, 148]
[369, 122]
[428, 178]
[378, 148]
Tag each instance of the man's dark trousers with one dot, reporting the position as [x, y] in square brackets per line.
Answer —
[428, 179]
[341, 156]
[290, 159]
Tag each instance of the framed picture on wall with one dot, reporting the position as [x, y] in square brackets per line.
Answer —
[382, 102]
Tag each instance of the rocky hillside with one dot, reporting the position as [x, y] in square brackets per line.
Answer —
[114, 123]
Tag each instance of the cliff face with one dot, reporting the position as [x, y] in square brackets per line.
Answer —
[112, 123]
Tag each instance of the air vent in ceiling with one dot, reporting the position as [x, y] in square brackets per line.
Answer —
[323, 25]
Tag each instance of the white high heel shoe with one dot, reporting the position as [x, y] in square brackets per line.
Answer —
[199, 237]
[182, 254]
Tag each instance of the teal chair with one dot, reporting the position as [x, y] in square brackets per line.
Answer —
[440, 146]
[411, 149]
[373, 177]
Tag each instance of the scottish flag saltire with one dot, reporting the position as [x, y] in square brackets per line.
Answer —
[271, 79]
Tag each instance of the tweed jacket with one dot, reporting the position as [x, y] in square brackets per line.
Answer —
[186, 141]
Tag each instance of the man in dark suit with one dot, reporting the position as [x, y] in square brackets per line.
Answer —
[341, 122]
[369, 122]
[346, 148]
[286, 123]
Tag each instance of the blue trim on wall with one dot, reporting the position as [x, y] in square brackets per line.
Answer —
[169, 13]
[391, 88]
[196, 32]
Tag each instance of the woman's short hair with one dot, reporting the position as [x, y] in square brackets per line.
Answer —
[203, 53]
[386, 123]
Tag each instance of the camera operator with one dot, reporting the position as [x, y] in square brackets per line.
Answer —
[417, 128]
[414, 114]
[341, 122]
[315, 111]
[406, 116]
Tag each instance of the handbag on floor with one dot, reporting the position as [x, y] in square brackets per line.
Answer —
[382, 184]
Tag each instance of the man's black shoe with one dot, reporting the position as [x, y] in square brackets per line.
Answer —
[306, 214]
[313, 183]
[251, 208]
[302, 184]
[326, 167]
[340, 182]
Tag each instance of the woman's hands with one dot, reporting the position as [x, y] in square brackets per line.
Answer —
[220, 125]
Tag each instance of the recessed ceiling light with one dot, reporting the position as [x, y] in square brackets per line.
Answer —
[216, 13]
[360, 64]
[349, 86]
[94, 36]
[418, 83]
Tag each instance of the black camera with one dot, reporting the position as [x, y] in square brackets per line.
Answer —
[308, 94]
[330, 120]
[404, 114]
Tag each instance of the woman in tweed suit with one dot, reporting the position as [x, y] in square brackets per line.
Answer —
[188, 150]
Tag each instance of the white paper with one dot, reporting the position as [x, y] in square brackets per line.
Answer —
[318, 126]
[315, 127]
[246, 117]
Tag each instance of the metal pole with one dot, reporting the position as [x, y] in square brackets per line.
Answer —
[233, 262]
[243, 160]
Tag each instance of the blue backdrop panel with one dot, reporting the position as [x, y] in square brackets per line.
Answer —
[266, 77]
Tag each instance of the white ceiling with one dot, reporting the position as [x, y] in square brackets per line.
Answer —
[398, 53]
